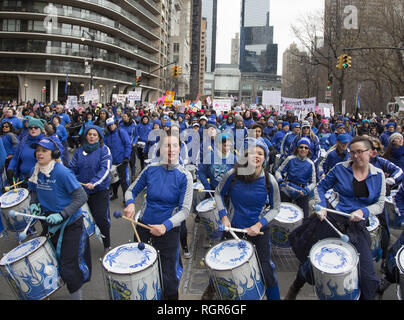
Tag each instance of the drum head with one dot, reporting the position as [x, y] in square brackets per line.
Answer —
[11, 198]
[228, 255]
[198, 185]
[128, 258]
[333, 256]
[400, 259]
[22, 251]
[206, 205]
[373, 223]
[289, 213]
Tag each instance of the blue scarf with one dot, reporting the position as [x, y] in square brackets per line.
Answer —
[90, 147]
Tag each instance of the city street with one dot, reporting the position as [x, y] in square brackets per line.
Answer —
[194, 278]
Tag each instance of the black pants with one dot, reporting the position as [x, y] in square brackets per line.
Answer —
[183, 235]
[122, 179]
[142, 157]
[99, 206]
[75, 256]
[168, 246]
[132, 162]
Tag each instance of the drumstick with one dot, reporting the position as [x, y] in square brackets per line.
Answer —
[118, 214]
[23, 235]
[223, 228]
[319, 208]
[141, 245]
[8, 188]
[13, 213]
[343, 237]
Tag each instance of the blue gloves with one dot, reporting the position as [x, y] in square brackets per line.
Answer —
[54, 218]
[35, 209]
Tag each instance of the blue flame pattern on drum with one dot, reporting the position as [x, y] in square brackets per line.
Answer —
[349, 295]
[9, 201]
[22, 250]
[325, 251]
[38, 283]
[296, 212]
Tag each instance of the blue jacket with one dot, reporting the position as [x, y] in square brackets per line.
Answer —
[387, 166]
[384, 137]
[169, 194]
[130, 129]
[332, 140]
[324, 140]
[143, 131]
[119, 144]
[300, 173]
[397, 156]
[248, 202]
[269, 132]
[342, 196]
[248, 123]
[214, 168]
[10, 142]
[92, 168]
[277, 139]
[17, 123]
[24, 159]
[64, 118]
[399, 201]
[61, 133]
[330, 160]
[286, 143]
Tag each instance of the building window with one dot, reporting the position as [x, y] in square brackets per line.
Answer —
[176, 48]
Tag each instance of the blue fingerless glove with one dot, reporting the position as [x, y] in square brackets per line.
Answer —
[54, 218]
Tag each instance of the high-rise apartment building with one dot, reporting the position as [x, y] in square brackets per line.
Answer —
[98, 43]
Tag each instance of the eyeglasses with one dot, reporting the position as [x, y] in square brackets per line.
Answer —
[34, 128]
[6, 127]
[305, 148]
[359, 152]
[376, 148]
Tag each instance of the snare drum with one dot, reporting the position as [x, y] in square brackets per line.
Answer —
[17, 201]
[394, 219]
[207, 211]
[335, 270]
[400, 266]
[113, 174]
[289, 218]
[88, 219]
[235, 271]
[32, 269]
[375, 236]
[131, 273]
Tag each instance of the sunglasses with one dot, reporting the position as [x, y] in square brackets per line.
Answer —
[6, 127]
[376, 148]
[34, 128]
[305, 148]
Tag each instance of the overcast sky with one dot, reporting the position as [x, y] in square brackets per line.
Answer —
[283, 13]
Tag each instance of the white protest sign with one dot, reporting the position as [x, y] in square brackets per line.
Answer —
[91, 95]
[271, 98]
[71, 102]
[121, 98]
[220, 105]
[135, 95]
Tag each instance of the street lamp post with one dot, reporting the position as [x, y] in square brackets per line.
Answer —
[92, 37]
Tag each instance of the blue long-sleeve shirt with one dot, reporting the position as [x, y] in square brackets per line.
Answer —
[169, 194]
[119, 143]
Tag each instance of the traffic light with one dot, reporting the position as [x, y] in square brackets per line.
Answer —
[340, 62]
[138, 80]
[174, 71]
[179, 70]
[347, 62]
[329, 83]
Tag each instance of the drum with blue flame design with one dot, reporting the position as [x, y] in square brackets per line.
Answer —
[235, 271]
[32, 270]
[17, 200]
[131, 273]
[335, 270]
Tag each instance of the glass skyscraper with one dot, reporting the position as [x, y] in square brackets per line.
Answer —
[258, 53]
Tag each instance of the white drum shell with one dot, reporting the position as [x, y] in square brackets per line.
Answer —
[141, 285]
[113, 174]
[400, 266]
[208, 217]
[283, 224]
[375, 235]
[197, 196]
[391, 212]
[16, 223]
[241, 282]
[34, 276]
[336, 286]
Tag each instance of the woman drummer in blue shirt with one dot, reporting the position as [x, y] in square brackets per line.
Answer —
[358, 188]
[168, 203]
[254, 200]
[55, 190]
